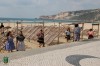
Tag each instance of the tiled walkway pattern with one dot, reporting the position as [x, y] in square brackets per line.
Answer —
[82, 55]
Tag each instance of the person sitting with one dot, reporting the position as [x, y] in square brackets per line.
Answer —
[90, 34]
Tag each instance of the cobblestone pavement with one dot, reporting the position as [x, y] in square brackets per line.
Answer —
[82, 55]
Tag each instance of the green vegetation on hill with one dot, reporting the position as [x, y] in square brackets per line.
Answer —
[87, 15]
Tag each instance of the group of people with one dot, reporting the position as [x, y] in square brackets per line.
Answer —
[9, 44]
[77, 32]
[9, 41]
[20, 45]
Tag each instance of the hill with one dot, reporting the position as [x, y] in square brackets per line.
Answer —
[91, 14]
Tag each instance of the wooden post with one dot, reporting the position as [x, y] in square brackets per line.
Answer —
[34, 23]
[21, 25]
[8, 23]
[14, 24]
[54, 23]
[17, 27]
[82, 30]
[44, 33]
[43, 25]
[92, 26]
[31, 24]
[98, 29]
[38, 24]
[73, 33]
[59, 32]
[17, 33]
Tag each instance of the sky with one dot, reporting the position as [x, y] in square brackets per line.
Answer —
[36, 8]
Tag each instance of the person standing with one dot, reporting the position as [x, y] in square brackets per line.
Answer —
[2, 28]
[67, 32]
[77, 31]
[40, 36]
[90, 34]
[9, 43]
[20, 42]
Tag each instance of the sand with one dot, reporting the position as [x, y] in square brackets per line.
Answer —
[34, 44]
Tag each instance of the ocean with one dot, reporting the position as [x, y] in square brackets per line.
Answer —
[34, 20]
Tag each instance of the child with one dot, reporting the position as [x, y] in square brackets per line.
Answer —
[68, 34]
[90, 34]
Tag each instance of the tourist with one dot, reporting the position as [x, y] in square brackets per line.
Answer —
[90, 34]
[2, 28]
[9, 43]
[40, 36]
[67, 32]
[77, 31]
[20, 42]
[1, 25]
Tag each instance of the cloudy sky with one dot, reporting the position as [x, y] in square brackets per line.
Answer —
[36, 8]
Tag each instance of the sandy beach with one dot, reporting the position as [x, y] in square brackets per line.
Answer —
[34, 44]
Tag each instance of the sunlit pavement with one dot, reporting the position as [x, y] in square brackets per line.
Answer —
[81, 55]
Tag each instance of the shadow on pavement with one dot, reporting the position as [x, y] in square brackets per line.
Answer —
[75, 59]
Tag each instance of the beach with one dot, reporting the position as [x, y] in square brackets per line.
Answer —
[49, 33]
[31, 44]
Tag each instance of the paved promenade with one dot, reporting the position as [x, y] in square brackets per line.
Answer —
[80, 55]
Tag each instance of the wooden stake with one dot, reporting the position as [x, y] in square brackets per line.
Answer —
[98, 30]
[82, 30]
[59, 33]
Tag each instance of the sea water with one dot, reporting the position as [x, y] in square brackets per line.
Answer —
[34, 20]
